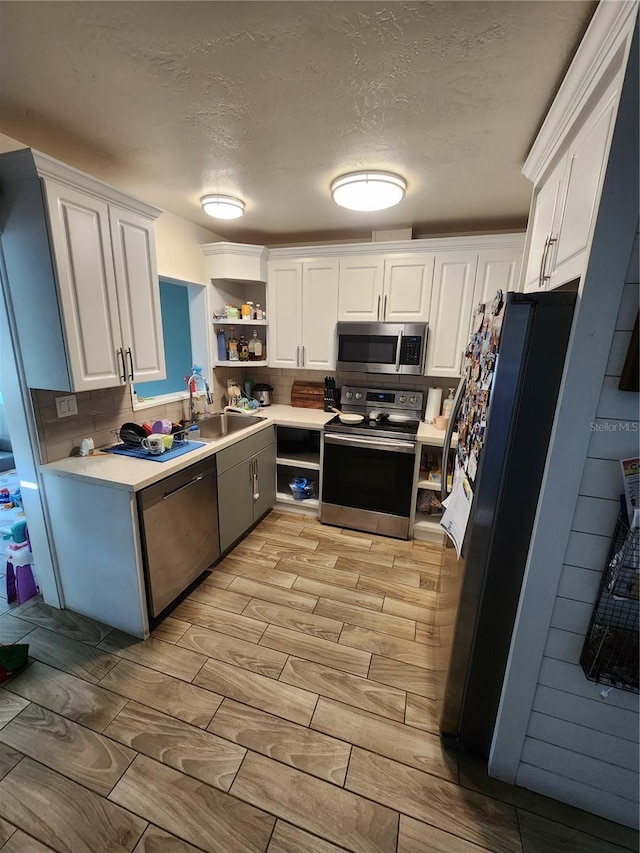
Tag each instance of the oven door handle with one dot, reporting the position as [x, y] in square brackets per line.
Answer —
[387, 444]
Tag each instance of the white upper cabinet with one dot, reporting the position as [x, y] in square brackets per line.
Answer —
[81, 239]
[451, 306]
[360, 296]
[302, 310]
[108, 286]
[565, 202]
[541, 224]
[498, 269]
[406, 296]
[319, 314]
[374, 289]
[81, 271]
[134, 257]
[586, 160]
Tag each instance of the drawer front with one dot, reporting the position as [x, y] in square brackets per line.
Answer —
[242, 450]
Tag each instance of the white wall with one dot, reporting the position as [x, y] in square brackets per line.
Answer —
[177, 240]
[579, 744]
[558, 733]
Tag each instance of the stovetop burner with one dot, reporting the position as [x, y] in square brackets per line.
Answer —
[367, 427]
[386, 405]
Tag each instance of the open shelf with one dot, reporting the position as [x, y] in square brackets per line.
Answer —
[240, 323]
[310, 461]
[309, 503]
[241, 363]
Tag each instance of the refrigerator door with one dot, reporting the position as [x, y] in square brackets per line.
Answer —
[480, 592]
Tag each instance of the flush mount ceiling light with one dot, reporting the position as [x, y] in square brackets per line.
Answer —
[368, 190]
[222, 206]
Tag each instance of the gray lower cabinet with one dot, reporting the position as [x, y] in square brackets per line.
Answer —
[246, 484]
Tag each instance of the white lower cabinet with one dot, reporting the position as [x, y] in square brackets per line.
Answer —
[302, 311]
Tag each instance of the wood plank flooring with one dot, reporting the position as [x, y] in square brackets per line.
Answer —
[286, 706]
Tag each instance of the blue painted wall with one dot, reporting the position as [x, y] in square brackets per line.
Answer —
[176, 328]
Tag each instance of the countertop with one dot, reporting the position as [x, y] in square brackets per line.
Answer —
[130, 474]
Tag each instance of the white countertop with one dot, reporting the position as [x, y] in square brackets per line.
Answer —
[131, 474]
[428, 434]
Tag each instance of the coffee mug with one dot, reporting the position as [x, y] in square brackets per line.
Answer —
[154, 444]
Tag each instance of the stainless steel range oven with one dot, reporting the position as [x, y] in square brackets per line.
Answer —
[368, 468]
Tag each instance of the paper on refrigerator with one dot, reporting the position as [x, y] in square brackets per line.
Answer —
[457, 509]
[631, 479]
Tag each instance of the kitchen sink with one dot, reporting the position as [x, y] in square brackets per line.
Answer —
[222, 424]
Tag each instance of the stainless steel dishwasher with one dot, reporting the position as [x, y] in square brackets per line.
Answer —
[179, 528]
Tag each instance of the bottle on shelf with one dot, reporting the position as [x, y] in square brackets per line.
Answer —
[233, 345]
[243, 349]
[252, 346]
[259, 352]
[259, 313]
[222, 345]
[246, 310]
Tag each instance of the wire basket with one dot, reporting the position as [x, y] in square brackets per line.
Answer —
[180, 438]
[610, 652]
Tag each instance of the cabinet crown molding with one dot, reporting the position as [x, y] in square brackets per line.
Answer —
[48, 167]
[401, 247]
[223, 248]
[602, 51]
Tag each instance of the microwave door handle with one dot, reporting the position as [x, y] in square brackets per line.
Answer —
[446, 446]
[398, 351]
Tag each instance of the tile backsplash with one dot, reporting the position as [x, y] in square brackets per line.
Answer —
[281, 380]
[100, 412]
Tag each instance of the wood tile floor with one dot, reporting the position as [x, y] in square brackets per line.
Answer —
[287, 705]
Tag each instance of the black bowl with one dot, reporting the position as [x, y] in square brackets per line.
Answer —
[132, 434]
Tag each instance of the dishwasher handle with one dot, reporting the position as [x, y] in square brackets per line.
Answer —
[184, 486]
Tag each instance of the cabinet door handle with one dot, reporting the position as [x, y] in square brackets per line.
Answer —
[130, 355]
[120, 355]
[552, 241]
[297, 356]
[253, 479]
[303, 356]
[542, 260]
[378, 309]
[384, 309]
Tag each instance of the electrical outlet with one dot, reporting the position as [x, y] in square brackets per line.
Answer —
[66, 406]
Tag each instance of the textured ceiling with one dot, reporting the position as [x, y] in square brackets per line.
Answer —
[271, 100]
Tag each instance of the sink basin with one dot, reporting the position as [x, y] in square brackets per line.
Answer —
[224, 423]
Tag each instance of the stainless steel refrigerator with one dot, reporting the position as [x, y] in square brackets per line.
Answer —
[503, 414]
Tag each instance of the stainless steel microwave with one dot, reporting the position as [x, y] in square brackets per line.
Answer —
[382, 347]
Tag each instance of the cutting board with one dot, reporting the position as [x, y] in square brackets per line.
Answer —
[307, 395]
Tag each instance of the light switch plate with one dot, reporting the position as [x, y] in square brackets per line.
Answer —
[66, 406]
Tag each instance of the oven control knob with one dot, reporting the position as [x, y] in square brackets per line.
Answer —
[413, 400]
[348, 395]
[358, 395]
[403, 399]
